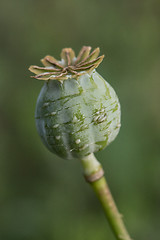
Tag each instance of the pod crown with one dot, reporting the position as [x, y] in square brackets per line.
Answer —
[70, 66]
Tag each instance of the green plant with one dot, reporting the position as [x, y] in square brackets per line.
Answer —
[77, 114]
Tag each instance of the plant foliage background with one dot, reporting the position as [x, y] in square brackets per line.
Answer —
[42, 196]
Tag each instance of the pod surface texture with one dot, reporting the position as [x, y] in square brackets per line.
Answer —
[76, 117]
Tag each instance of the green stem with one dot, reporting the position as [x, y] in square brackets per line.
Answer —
[93, 173]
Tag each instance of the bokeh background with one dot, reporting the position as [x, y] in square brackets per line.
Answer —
[42, 196]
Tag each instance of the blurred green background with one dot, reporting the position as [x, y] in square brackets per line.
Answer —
[42, 196]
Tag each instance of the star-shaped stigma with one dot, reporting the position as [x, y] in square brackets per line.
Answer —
[69, 66]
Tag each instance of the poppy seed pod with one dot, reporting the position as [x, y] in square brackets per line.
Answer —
[77, 111]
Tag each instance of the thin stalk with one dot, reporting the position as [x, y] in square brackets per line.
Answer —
[93, 173]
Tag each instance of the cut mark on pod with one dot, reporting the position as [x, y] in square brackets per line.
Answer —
[84, 127]
[58, 137]
[50, 114]
[56, 126]
[78, 141]
[100, 118]
[75, 119]
[71, 150]
[53, 113]
[95, 118]
[46, 104]
[99, 115]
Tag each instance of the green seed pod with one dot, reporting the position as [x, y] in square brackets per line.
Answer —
[77, 111]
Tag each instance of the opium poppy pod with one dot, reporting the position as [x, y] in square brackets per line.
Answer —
[77, 111]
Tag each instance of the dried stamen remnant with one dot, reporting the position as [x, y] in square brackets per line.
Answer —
[69, 66]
